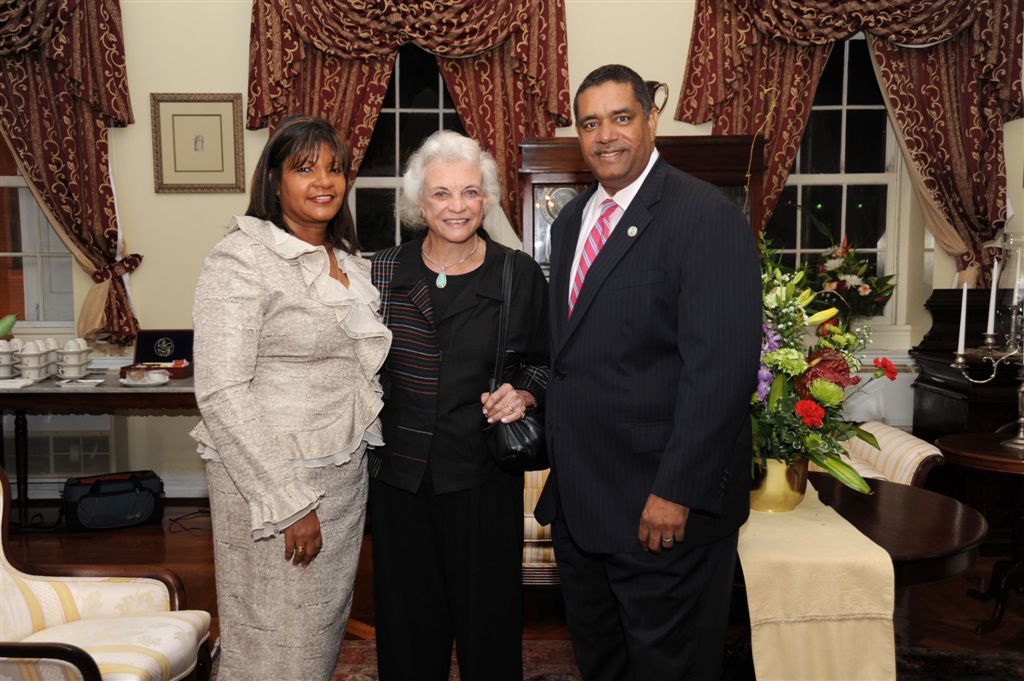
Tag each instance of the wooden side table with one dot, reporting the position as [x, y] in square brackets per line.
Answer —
[983, 451]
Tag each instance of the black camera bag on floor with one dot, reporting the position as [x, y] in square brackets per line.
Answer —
[113, 500]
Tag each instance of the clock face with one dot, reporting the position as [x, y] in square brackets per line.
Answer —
[554, 199]
[548, 202]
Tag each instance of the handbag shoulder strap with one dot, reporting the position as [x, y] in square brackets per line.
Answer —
[506, 297]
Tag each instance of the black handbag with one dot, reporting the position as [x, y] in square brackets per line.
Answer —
[521, 445]
[113, 500]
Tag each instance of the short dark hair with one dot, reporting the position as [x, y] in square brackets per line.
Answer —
[615, 73]
[297, 139]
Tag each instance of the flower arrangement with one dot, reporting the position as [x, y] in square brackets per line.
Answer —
[841, 278]
[797, 407]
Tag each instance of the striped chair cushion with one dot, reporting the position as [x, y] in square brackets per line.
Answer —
[898, 457]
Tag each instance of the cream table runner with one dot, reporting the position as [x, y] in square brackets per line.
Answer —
[820, 596]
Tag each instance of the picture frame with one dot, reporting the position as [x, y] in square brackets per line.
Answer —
[197, 142]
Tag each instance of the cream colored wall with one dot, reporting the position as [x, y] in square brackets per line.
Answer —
[173, 46]
[649, 36]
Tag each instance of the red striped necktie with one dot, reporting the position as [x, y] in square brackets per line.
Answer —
[595, 241]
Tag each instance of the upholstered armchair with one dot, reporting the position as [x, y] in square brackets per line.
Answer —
[900, 457]
[90, 623]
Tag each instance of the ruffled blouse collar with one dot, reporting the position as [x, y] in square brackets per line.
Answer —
[356, 307]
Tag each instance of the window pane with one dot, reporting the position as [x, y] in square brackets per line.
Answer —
[865, 141]
[375, 218]
[10, 214]
[418, 79]
[446, 100]
[12, 285]
[865, 215]
[57, 294]
[379, 160]
[413, 129]
[862, 86]
[819, 149]
[830, 87]
[821, 211]
[38, 455]
[453, 122]
[781, 228]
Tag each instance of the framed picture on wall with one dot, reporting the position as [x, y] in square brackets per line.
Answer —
[197, 142]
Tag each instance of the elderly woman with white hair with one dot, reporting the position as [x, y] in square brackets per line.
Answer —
[446, 522]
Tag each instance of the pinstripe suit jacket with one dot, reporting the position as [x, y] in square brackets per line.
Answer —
[653, 373]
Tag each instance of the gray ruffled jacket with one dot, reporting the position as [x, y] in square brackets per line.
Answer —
[286, 363]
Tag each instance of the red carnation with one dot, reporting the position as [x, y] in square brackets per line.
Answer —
[827, 364]
[811, 412]
[828, 327]
[888, 367]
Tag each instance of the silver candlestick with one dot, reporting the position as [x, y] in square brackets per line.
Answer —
[1010, 353]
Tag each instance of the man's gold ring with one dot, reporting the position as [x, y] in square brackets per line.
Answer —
[301, 549]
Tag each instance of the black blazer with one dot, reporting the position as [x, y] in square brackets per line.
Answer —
[652, 375]
[453, 356]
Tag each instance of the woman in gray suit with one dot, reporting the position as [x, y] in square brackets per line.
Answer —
[288, 343]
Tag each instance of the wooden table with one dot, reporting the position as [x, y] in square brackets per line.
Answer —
[48, 397]
[983, 451]
[929, 536]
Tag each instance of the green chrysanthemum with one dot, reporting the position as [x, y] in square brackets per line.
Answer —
[826, 392]
[789, 361]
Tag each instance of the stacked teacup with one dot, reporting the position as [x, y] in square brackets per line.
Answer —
[74, 359]
[31, 360]
[7, 368]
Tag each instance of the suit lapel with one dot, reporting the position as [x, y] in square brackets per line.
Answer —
[408, 275]
[629, 231]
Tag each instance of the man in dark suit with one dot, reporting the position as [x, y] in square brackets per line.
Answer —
[656, 331]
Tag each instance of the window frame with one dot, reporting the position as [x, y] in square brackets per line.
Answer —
[888, 252]
[395, 183]
[42, 223]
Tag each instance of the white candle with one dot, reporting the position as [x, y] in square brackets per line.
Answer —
[992, 298]
[1016, 281]
[963, 322]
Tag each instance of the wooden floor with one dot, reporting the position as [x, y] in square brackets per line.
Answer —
[939, 616]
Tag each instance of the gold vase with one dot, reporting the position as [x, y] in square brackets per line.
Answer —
[779, 488]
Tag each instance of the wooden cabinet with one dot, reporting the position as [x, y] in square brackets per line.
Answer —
[553, 172]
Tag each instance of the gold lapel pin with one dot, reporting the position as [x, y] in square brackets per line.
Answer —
[631, 232]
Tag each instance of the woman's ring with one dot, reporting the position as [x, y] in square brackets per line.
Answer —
[301, 549]
[510, 410]
[667, 541]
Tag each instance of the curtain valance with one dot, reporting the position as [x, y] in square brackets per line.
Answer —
[504, 63]
[820, 22]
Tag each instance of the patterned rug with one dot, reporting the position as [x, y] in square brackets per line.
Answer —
[553, 661]
[542, 661]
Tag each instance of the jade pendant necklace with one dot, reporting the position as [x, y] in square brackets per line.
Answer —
[442, 278]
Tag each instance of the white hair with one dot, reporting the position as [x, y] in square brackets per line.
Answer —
[444, 146]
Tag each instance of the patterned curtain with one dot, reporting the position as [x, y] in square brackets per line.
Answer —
[62, 83]
[754, 66]
[504, 62]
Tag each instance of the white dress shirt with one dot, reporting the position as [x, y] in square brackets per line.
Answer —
[592, 211]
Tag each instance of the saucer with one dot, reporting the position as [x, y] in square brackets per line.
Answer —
[146, 383]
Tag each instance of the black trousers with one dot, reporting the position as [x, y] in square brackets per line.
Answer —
[448, 567]
[646, 616]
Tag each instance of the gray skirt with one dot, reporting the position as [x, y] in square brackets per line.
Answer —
[279, 622]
